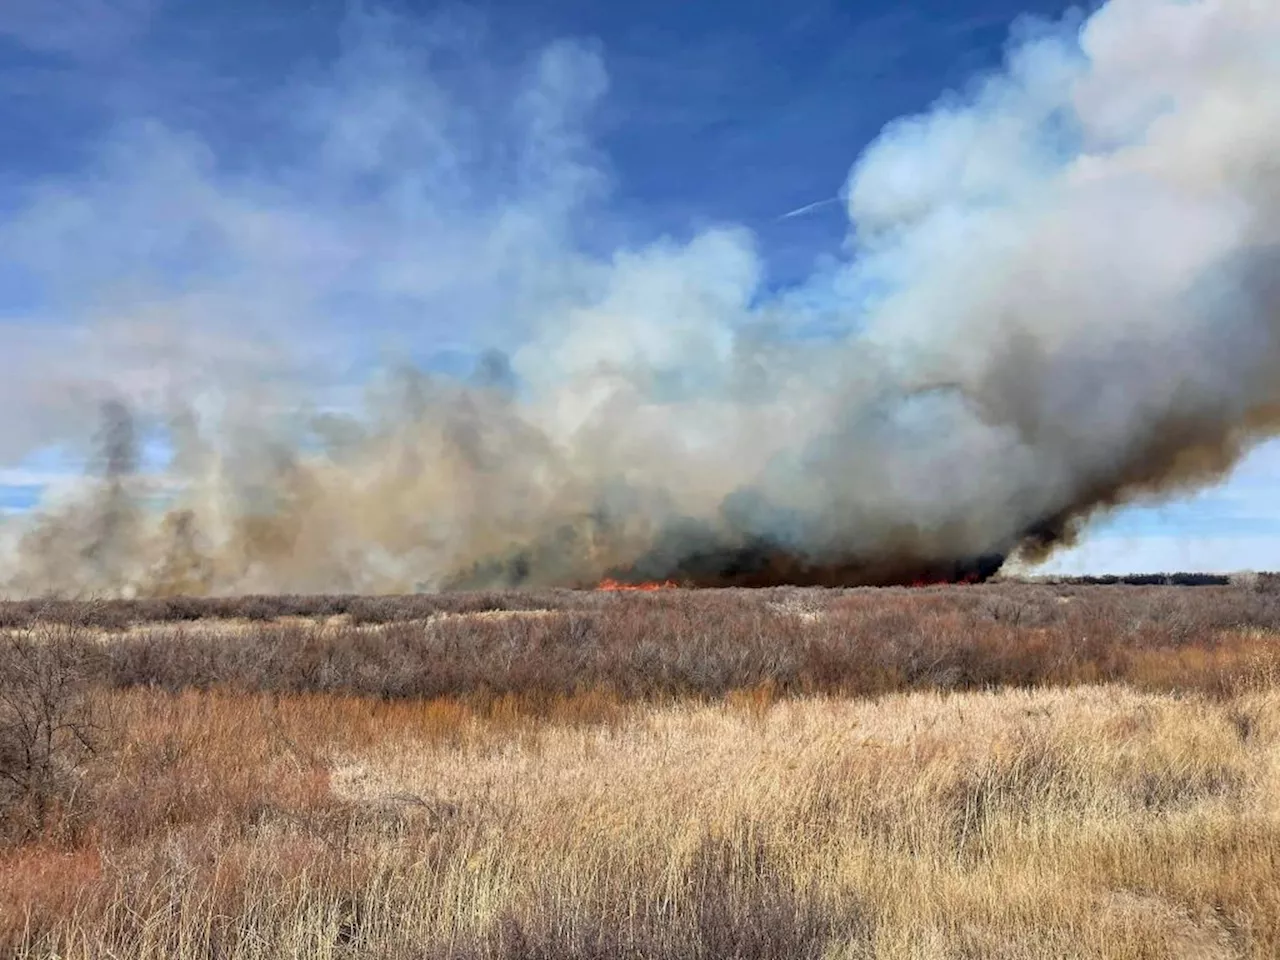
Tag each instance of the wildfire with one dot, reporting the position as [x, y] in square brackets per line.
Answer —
[966, 581]
[617, 586]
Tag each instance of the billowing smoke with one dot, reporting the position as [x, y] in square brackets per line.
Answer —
[1061, 293]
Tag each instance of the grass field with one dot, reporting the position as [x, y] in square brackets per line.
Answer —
[1004, 771]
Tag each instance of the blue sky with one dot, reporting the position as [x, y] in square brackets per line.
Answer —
[710, 116]
[706, 114]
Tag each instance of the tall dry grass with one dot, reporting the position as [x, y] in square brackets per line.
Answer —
[1083, 772]
[1092, 822]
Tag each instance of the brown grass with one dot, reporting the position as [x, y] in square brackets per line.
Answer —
[1117, 799]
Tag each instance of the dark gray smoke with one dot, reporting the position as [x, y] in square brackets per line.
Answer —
[1060, 296]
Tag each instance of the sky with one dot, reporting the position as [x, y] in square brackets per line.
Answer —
[749, 114]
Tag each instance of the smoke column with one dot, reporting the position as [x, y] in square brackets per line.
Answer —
[1059, 295]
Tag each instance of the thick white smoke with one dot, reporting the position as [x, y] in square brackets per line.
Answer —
[1058, 296]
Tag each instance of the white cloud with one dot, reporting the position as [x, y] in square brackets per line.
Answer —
[1229, 527]
[1169, 553]
[78, 28]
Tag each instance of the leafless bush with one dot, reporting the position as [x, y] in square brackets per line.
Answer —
[682, 643]
[47, 730]
[708, 643]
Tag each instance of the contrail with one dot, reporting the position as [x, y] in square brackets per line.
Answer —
[817, 205]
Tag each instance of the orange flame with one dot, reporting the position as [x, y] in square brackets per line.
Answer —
[967, 580]
[617, 586]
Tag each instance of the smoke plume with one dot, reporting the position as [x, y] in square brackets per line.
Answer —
[1060, 293]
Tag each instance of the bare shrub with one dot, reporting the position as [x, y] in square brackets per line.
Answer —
[690, 643]
[48, 732]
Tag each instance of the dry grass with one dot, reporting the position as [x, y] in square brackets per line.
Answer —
[1094, 822]
[755, 820]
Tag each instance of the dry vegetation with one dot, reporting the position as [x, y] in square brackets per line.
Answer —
[1010, 771]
